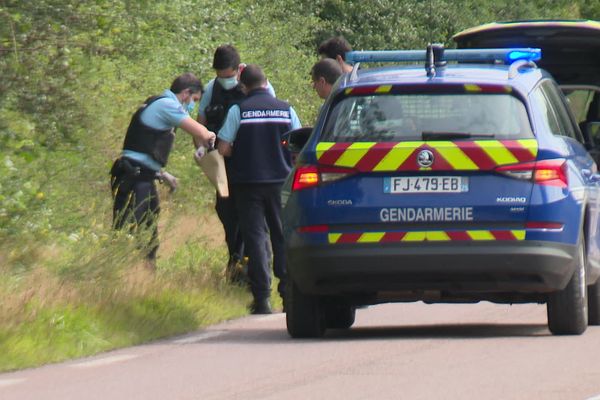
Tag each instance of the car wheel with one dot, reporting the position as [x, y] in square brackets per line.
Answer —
[339, 316]
[567, 308]
[304, 315]
[594, 303]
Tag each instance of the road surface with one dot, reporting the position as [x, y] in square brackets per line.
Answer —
[394, 351]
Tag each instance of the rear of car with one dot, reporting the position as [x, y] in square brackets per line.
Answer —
[435, 188]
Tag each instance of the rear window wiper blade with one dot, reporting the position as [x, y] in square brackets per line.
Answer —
[453, 135]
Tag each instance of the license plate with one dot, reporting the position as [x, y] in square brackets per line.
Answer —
[426, 184]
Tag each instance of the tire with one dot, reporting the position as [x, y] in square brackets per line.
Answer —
[594, 303]
[567, 308]
[304, 315]
[339, 316]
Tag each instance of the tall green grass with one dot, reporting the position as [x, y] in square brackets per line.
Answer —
[90, 292]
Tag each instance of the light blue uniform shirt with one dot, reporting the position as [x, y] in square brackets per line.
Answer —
[207, 96]
[163, 114]
[230, 128]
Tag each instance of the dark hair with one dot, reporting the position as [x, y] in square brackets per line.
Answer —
[186, 81]
[226, 56]
[252, 76]
[335, 46]
[328, 69]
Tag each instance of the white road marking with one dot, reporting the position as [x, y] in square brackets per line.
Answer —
[597, 397]
[10, 382]
[104, 361]
[199, 337]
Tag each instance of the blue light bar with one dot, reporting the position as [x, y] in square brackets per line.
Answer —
[519, 54]
[507, 56]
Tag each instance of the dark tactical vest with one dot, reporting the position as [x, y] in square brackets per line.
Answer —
[144, 139]
[220, 102]
[258, 155]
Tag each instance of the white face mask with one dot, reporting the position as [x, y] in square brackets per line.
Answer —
[190, 106]
[228, 83]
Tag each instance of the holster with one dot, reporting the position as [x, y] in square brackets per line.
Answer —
[124, 173]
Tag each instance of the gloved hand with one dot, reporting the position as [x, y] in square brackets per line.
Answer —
[200, 152]
[169, 180]
[210, 142]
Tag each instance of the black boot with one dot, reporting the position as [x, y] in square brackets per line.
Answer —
[260, 307]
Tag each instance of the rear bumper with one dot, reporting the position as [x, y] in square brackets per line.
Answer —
[525, 267]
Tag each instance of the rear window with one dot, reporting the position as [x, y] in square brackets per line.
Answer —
[399, 117]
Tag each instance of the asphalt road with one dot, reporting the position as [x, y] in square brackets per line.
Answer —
[394, 351]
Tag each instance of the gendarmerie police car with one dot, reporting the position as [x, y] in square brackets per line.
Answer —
[459, 179]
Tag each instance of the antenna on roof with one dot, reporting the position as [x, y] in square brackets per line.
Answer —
[429, 61]
[434, 58]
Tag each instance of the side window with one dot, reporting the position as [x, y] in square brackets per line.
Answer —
[548, 115]
[556, 101]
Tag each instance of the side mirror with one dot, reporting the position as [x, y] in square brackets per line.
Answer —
[296, 139]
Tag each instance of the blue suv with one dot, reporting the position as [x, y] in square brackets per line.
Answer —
[462, 178]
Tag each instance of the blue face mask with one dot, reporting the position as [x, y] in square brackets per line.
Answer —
[190, 106]
[228, 83]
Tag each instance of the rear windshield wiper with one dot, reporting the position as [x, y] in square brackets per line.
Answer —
[453, 135]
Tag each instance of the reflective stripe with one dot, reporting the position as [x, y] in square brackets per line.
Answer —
[266, 120]
[371, 237]
[422, 236]
[334, 237]
[497, 152]
[397, 156]
[437, 236]
[448, 156]
[481, 235]
[519, 235]
[454, 155]
[414, 237]
[322, 147]
[383, 89]
[531, 145]
[353, 154]
[472, 88]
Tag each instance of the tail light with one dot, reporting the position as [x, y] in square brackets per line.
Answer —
[307, 176]
[543, 172]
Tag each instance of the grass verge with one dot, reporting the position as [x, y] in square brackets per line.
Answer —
[91, 294]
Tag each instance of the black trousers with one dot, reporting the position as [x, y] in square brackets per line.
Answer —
[257, 203]
[136, 206]
[228, 215]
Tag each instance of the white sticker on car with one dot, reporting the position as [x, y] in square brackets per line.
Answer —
[424, 214]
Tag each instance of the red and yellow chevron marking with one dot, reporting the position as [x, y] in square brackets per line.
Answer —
[425, 236]
[473, 155]
[455, 88]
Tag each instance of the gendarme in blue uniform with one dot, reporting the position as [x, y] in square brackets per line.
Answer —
[263, 121]
[258, 167]
[256, 127]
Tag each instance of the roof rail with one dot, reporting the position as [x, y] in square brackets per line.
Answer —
[507, 56]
